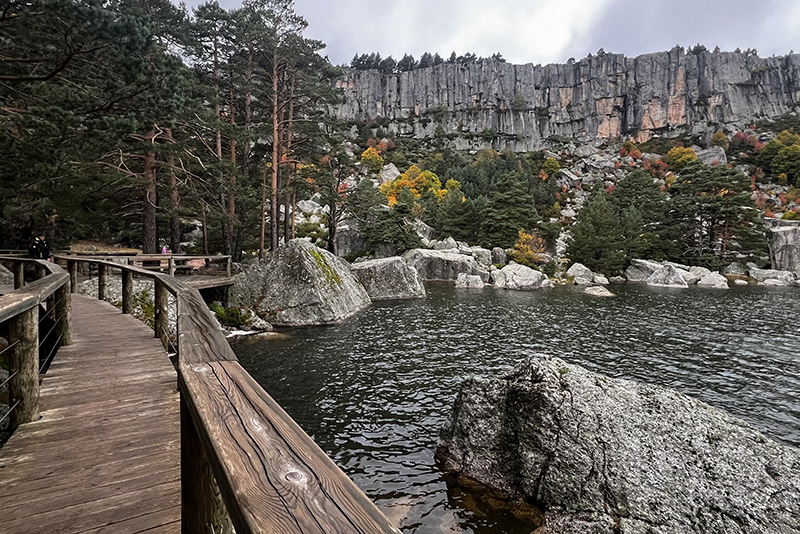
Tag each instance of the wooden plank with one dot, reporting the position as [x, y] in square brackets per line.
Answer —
[100, 513]
[106, 451]
[273, 476]
[158, 522]
[199, 336]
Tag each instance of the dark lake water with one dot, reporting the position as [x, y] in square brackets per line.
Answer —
[374, 391]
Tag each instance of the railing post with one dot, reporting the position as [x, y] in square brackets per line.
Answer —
[171, 264]
[161, 305]
[127, 292]
[19, 274]
[24, 387]
[102, 281]
[64, 314]
[202, 508]
[228, 267]
[72, 268]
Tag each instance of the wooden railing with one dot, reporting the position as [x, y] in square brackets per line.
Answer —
[245, 464]
[22, 310]
[169, 263]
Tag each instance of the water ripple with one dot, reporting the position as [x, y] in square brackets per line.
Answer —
[374, 391]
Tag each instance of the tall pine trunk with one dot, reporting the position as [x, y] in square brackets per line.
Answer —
[149, 236]
[229, 223]
[174, 202]
[276, 141]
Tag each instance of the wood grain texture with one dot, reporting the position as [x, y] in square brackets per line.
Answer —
[273, 476]
[105, 455]
[161, 305]
[102, 281]
[24, 387]
[199, 336]
[127, 291]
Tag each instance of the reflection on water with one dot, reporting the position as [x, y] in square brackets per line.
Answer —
[374, 391]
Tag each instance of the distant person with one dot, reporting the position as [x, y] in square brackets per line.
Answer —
[39, 249]
[164, 250]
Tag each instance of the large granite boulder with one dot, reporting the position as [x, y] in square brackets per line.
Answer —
[640, 270]
[442, 265]
[784, 248]
[688, 276]
[349, 241]
[482, 256]
[6, 277]
[713, 155]
[762, 275]
[714, 281]
[667, 276]
[610, 456]
[581, 275]
[445, 244]
[300, 284]
[520, 278]
[389, 278]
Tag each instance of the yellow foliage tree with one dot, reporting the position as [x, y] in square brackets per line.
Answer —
[679, 157]
[720, 139]
[372, 160]
[418, 182]
[529, 249]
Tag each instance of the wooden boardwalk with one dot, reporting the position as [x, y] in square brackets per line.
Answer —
[105, 456]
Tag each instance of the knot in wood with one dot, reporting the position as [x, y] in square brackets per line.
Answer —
[294, 476]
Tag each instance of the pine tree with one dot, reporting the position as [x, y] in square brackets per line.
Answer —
[597, 236]
[510, 209]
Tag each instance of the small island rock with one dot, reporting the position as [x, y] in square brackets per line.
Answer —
[598, 291]
[581, 275]
[714, 281]
[519, 277]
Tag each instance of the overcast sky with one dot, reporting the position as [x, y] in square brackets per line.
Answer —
[546, 31]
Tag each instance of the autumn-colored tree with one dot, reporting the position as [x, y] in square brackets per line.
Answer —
[372, 160]
[679, 157]
[529, 249]
[417, 181]
[551, 167]
[720, 139]
[787, 163]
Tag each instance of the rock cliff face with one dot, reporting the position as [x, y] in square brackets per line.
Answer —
[500, 105]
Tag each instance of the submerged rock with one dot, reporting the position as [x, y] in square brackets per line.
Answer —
[442, 265]
[612, 456]
[598, 291]
[640, 270]
[520, 278]
[471, 281]
[667, 276]
[300, 284]
[389, 278]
